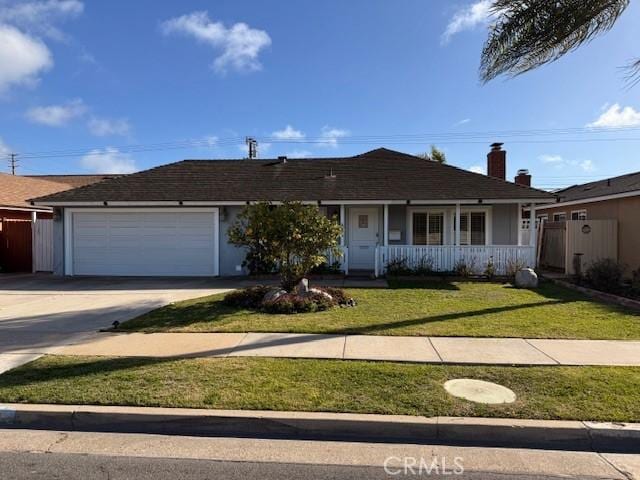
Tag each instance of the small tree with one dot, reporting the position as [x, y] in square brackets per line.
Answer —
[435, 155]
[292, 238]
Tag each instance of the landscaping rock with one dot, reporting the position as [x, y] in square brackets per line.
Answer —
[303, 287]
[321, 292]
[273, 295]
[526, 278]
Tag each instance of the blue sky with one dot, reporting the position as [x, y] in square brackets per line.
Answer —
[85, 81]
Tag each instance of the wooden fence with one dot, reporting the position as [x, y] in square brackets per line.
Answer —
[15, 246]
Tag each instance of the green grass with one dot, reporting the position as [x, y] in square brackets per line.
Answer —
[577, 393]
[475, 309]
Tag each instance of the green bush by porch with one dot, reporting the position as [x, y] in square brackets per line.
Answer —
[474, 309]
[569, 393]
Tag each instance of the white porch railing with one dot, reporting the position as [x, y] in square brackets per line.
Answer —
[343, 259]
[444, 258]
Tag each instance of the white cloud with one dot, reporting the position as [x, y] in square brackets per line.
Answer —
[108, 160]
[299, 154]
[467, 18]
[102, 127]
[478, 169]
[38, 17]
[288, 133]
[559, 162]
[240, 45]
[587, 165]
[329, 136]
[22, 58]
[546, 158]
[210, 140]
[616, 116]
[4, 149]
[462, 122]
[57, 115]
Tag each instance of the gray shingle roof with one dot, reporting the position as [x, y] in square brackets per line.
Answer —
[377, 175]
[609, 186]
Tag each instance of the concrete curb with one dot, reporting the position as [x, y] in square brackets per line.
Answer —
[548, 434]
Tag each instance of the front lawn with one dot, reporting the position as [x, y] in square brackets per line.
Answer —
[474, 309]
[570, 393]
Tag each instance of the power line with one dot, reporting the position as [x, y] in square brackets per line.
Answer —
[397, 139]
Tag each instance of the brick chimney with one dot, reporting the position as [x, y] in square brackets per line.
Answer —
[523, 178]
[497, 162]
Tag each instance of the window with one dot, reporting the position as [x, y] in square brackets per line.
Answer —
[579, 215]
[559, 217]
[473, 228]
[428, 228]
[363, 221]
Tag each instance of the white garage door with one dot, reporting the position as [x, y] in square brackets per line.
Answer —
[157, 242]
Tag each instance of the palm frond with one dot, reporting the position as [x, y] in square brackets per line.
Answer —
[632, 73]
[531, 33]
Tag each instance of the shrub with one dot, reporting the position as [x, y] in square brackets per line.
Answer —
[252, 298]
[398, 266]
[327, 268]
[424, 266]
[490, 269]
[292, 236]
[246, 297]
[464, 267]
[635, 280]
[605, 274]
[513, 266]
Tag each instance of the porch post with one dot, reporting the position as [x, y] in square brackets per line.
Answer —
[385, 222]
[343, 224]
[532, 226]
[457, 241]
[519, 224]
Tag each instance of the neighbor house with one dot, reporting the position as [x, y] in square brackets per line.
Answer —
[173, 219]
[616, 198]
[17, 216]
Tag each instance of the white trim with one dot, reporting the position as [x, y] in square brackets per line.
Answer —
[26, 209]
[363, 202]
[457, 224]
[582, 210]
[591, 200]
[385, 225]
[480, 201]
[275, 202]
[519, 224]
[68, 229]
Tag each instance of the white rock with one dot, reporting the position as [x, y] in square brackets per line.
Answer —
[320, 292]
[303, 287]
[273, 295]
[526, 278]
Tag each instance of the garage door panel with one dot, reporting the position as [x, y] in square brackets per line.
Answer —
[144, 243]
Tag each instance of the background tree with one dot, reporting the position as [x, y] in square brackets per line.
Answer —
[435, 155]
[291, 238]
[529, 33]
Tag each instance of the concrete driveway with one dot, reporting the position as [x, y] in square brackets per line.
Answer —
[39, 312]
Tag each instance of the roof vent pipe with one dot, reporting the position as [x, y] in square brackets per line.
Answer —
[282, 159]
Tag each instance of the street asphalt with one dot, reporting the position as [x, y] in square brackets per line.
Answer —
[37, 466]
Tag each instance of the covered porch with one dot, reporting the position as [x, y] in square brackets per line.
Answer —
[438, 235]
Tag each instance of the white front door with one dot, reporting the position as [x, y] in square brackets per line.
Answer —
[363, 238]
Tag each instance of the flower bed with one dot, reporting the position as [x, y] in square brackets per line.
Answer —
[274, 300]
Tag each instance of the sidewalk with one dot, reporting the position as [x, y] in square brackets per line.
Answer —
[456, 350]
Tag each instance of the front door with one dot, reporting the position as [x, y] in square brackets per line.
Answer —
[363, 238]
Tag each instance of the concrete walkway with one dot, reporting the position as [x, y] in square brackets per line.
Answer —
[455, 350]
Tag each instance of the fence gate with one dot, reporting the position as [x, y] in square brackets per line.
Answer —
[16, 246]
[553, 248]
[43, 245]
